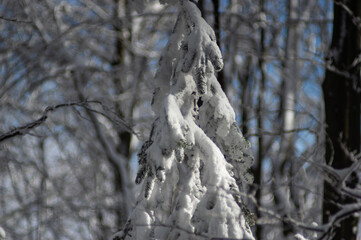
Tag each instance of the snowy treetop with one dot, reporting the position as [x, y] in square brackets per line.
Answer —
[194, 164]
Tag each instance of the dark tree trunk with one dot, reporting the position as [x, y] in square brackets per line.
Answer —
[124, 137]
[200, 5]
[244, 81]
[341, 92]
[260, 123]
[217, 30]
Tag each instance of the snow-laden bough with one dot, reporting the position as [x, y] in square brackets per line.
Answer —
[194, 164]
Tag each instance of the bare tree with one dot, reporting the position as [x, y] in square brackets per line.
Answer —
[341, 92]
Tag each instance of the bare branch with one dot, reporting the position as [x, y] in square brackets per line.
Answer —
[281, 132]
[356, 20]
[23, 130]
[14, 20]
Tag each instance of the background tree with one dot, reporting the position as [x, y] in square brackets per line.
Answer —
[341, 92]
[75, 169]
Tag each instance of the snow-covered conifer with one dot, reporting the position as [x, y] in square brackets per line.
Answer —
[196, 159]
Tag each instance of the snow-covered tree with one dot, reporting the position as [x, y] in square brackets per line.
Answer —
[194, 164]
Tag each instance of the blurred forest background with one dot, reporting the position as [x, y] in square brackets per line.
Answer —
[76, 81]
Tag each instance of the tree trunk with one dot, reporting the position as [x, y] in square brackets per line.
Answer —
[217, 30]
[244, 81]
[124, 137]
[260, 122]
[287, 161]
[290, 82]
[342, 107]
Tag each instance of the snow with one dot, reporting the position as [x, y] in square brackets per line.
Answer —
[358, 237]
[2, 234]
[194, 164]
[300, 237]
